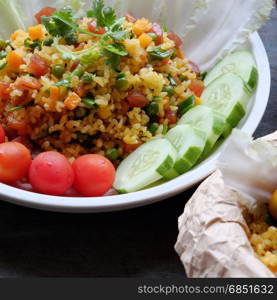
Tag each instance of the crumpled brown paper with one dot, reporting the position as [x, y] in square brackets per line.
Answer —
[213, 235]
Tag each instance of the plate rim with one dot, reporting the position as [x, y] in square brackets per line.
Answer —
[158, 193]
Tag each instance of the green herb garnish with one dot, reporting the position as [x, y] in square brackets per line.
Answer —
[63, 24]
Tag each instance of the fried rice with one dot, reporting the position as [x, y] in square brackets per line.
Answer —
[43, 113]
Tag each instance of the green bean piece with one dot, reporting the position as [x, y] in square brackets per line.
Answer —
[170, 90]
[90, 103]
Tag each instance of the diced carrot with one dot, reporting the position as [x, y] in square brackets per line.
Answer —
[36, 32]
[19, 33]
[55, 93]
[145, 40]
[198, 101]
[72, 101]
[14, 60]
[141, 26]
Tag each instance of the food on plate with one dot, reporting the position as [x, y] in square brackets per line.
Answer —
[94, 175]
[107, 91]
[51, 173]
[15, 160]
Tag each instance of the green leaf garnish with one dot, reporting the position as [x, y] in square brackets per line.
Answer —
[63, 24]
[90, 58]
[105, 17]
[116, 49]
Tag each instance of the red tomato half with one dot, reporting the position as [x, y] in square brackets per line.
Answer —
[157, 29]
[94, 175]
[46, 11]
[175, 38]
[38, 66]
[92, 27]
[2, 135]
[15, 160]
[136, 99]
[51, 173]
[197, 86]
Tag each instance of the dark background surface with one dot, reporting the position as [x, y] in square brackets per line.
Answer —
[135, 243]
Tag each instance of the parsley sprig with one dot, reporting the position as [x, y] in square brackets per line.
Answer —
[63, 24]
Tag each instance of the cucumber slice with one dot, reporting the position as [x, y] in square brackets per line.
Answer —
[190, 143]
[207, 120]
[145, 166]
[229, 96]
[241, 63]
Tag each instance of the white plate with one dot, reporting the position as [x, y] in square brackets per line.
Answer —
[171, 188]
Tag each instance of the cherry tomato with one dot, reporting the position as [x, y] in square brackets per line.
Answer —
[2, 135]
[51, 173]
[46, 11]
[28, 84]
[4, 90]
[157, 29]
[38, 66]
[175, 38]
[197, 86]
[92, 27]
[15, 160]
[194, 67]
[94, 175]
[136, 99]
[130, 18]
